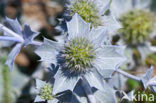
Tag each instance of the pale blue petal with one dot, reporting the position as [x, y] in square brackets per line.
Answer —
[146, 78]
[109, 58]
[102, 5]
[7, 43]
[117, 10]
[98, 35]
[79, 95]
[12, 56]
[107, 96]
[39, 99]
[29, 34]
[61, 38]
[77, 27]
[79, 99]
[64, 82]
[94, 79]
[53, 101]
[111, 23]
[48, 51]
[40, 84]
[152, 84]
[117, 81]
[14, 25]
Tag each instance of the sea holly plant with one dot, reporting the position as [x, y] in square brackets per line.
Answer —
[95, 12]
[13, 32]
[82, 56]
[138, 24]
[82, 60]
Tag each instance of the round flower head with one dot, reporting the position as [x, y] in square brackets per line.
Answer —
[137, 26]
[137, 21]
[44, 92]
[94, 12]
[81, 54]
[87, 10]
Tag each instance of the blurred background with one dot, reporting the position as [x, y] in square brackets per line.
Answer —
[18, 86]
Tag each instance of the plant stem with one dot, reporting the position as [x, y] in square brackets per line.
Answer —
[4, 38]
[37, 43]
[6, 78]
[3, 28]
[128, 75]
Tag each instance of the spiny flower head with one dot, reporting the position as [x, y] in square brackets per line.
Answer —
[88, 11]
[137, 26]
[46, 92]
[79, 53]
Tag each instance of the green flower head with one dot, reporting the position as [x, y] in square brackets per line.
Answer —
[79, 53]
[138, 26]
[46, 92]
[88, 11]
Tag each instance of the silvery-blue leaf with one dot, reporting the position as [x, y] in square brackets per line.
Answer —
[152, 81]
[117, 81]
[117, 10]
[153, 89]
[29, 34]
[64, 82]
[109, 58]
[48, 51]
[94, 79]
[12, 56]
[102, 5]
[79, 99]
[39, 99]
[14, 25]
[53, 69]
[107, 96]
[88, 90]
[53, 101]
[40, 84]
[111, 23]
[129, 96]
[144, 50]
[79, 95]
[152, 84]
[7, 43]
[64, 97]
[97, 35]
[146, 78]
[61, 38]
[77, 27]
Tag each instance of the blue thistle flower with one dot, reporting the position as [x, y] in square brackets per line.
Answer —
[13, 32]
[44, 92]
[81, 55]
[94, 12]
